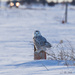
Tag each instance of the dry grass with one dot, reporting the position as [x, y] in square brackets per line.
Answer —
[62, 51]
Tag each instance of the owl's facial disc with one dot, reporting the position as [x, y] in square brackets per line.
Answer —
[37, 33]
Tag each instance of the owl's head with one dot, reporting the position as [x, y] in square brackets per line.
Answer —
[37, 33]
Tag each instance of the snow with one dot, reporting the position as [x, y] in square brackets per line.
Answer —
[16, 32]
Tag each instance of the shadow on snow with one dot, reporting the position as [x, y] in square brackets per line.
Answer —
[40, 63]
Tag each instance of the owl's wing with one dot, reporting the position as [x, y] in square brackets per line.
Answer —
[40, 40]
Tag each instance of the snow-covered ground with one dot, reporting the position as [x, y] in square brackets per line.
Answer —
[16, 32]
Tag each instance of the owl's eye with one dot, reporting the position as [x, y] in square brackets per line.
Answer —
[37, 32]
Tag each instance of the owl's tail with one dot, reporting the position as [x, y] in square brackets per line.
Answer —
[48, 45]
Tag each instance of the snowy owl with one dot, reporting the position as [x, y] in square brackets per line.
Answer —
[40, 42]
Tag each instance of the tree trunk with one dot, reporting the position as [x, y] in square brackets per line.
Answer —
[40, 55]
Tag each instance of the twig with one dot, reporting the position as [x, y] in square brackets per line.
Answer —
[45, 67]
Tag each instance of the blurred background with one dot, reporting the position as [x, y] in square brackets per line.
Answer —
[18, 3]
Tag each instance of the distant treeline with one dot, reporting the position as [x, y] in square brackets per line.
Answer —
[37, 1]
[73, 3]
